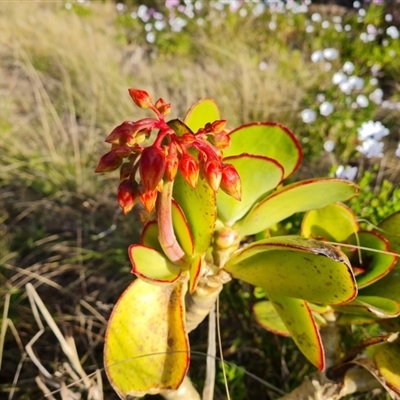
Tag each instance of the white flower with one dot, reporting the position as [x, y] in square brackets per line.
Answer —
[272, 25]
[338, 78]
[308, 116]
[329, 146]
[356, 4]
[309, 29]
[376, 96]
[362, 101]
[372, 131]
[373, 81]
[371, 148]
[356, 82]
[393, 32]
[330, 53]
[375, 69]
[345, 87]
[388, 17]
[398, 151]
[320, 97]
[317, 56]
[338, 27]
[347, 172]
[316, 17]
[348, 67]
[325, 24]
[151, 37]
[326, 108]
[347, 27]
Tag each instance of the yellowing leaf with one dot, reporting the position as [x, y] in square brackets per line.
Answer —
[146, 346]
[387, 360]
[295, 267]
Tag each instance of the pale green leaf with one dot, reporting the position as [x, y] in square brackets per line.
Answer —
[258, 176]
[300, 196]
[204, 111]
[268, 139]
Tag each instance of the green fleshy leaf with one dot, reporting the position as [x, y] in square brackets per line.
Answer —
[387, 360]
[299, 321]
[267, 139]
[266, 316]
[295, 267]
[149, 237]
[372, 305]
[146, 346]
[391, 231]
[376, 265]
[354, 319]
[182, 230]
[199, 207]
[152, 266]
[300, 196]
[335, 222]
[201, 113]
[258, 175]
[179, 127]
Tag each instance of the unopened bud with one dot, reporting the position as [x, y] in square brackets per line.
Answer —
[127, 197]
[148, 199]
[141, 98]
[163, 107]
[218, 126]
[230, 182]
[109, 162]
[190, 169]
[212, 173]
[152, 167]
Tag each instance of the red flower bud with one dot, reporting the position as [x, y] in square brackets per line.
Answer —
[218, 126]
[109, 162]
[212, 173]
[221, 140]
[123, 151]
[121, 132]
[141, 98]
[151, 167]
[190, 169]
[171, 167]
[127, 197]
[163, 107]
[148, 199]
[230, 181]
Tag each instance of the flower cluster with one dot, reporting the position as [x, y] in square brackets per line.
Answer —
[147, 166]
[370, 135]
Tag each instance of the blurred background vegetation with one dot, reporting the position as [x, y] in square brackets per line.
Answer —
[65, 68]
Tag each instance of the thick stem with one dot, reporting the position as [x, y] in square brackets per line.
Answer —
[166, 234]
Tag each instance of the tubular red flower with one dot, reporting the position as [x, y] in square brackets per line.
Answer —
[230, 181]
[212, 173]
[141, 98]
[109, 162]
[148, 199]
[190, 169]
[152, 167]
[127, 197]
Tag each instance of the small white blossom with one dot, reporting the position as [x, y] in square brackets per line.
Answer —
[338, 78]
[347, 172]
[371, 148]
[317, 56]
[316, 17]
[375, 69]
[372, 131]
[356, 4]
[151, 37]
[338, 28]
[325, 24]
[345, 87]
[362, 12]
[327, 66]
[388, 17]
[356, 82]
[308, 116]
[347, 27]
[309, 29]
[397, 152]
[329, 146]
[348, 67]
[320, 97]
[373, 81]
[393, 32]
[326, 108]
[376, 96]
[362, 101]
[330, 53]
